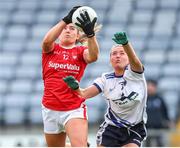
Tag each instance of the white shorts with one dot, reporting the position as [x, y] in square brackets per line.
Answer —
[54, 121]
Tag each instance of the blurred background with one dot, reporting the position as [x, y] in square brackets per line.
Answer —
[153, 27]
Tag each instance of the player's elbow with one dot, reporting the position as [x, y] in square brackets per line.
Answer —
[93, 59]
[46, 43]
[46, 46]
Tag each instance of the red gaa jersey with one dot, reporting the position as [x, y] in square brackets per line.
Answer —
[57, 65]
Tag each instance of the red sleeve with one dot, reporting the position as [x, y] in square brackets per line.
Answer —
[55, 47]
[81, 52]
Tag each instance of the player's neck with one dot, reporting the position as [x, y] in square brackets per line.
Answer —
[119, 72]
[67, 46]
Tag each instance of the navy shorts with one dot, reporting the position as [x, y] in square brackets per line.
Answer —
[112, 136]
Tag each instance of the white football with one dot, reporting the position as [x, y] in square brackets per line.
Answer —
[90, 11]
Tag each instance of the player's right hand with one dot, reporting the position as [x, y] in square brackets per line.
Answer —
[68, 18]
[71, 82]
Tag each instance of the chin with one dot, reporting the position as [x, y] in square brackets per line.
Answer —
[119, 67]
[67, 42]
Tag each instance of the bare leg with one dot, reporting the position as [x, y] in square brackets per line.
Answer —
[100, 146]
[131, 145]
[77, 130]
[56, 140]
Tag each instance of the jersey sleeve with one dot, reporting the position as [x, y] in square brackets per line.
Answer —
[55, 47]
[129, 73]
[100, 83]
[81, 52]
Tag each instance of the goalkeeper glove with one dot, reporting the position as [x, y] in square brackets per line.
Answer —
[86, 24]
[68, 18]
[71, 82]
[120, 38]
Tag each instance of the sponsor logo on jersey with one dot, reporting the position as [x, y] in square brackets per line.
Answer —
[64, 66]
[125, 99]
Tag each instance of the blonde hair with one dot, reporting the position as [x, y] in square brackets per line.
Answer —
[115, 46]
[83, 37]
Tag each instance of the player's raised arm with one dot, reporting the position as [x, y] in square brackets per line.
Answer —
[135, 63]
[54, 32]
[88, 92]
[91, 54]
[51, 36]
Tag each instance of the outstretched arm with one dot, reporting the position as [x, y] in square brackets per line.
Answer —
[135, 63]
[53, 33]
[88, 92]
[51, 36]
[91, 54]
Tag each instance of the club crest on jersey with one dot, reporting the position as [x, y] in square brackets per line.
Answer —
[122, 83]
[74, 57]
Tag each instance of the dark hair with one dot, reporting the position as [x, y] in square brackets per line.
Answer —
[153, 81]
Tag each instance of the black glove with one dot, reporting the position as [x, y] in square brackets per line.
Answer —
[71, 82]
[68, 18]
[86, 24]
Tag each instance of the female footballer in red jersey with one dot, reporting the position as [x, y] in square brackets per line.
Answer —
[63, 110]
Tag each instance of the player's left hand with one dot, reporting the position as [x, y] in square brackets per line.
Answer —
[86, 24]
[71, 82]
[120, 38]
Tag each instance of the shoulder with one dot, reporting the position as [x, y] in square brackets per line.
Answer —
[159, 96]
[80, 47]
[104, 77]
[56, 47]
[132, 74]
[108, 75]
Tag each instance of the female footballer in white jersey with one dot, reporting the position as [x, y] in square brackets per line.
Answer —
[126, 94]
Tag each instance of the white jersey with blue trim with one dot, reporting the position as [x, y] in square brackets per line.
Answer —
[126, 96]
